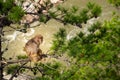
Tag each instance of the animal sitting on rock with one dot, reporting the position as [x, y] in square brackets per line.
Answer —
[32, 48]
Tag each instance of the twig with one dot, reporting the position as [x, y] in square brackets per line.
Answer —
[50, 67]
[14, 61]
[39, 69]
[17, 71]
[6, 48]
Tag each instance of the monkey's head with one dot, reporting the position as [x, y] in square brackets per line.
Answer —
[38, 39]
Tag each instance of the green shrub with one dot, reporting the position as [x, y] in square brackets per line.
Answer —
[116, 3]
[84, 15]
[59, 41]
[6, 6]
[90, 5]
[15, 14]
[11, 69]
[43, 18]
[96, 11]
[42, 78]
[22, 57]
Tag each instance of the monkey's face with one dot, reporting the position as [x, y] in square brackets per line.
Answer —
[39, 39]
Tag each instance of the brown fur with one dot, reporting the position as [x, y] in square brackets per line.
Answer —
[32, 48]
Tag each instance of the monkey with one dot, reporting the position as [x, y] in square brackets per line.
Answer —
[32, 48]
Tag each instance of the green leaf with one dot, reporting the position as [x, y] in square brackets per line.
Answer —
[15, 14]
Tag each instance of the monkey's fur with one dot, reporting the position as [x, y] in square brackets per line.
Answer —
[32, 48]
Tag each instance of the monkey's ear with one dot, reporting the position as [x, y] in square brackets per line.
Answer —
[41, 39]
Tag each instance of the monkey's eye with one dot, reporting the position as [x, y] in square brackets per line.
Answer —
[39, 37]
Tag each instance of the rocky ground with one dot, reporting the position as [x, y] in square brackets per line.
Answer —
[17, 39]
[32, 7]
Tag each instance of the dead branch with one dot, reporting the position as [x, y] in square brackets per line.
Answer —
[14, 61]
[17, 71]
[6, 48]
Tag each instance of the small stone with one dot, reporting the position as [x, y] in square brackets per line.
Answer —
[37, 1]
[54, 1]
[36, 23]
[25, 4]
[29, 18]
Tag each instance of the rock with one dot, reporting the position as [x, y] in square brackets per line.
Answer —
[37, 1]
[33, 6]
[25, 4]
[36, 23]
[29, 18]
[24, 77]
[56, 1]
[12, 37]
[31, 9]
[19, 77]
[44, 11]
[18, 2]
